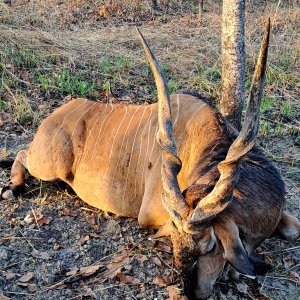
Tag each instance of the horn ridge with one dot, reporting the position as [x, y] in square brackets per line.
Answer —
[173, 199]
[220, 197]
[245, 140]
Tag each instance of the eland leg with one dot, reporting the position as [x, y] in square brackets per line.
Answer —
[17, 177]
[289, 227]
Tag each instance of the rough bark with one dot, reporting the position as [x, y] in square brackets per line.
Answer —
[201, 9]
[233, 61]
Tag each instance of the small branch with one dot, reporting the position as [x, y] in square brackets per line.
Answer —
[16, 293]
[35, 219]
[14, 264]
[28, 242]
[278, 251]
[20, 238]
[162, 260]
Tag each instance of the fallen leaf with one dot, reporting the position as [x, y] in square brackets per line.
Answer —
[113, 227]
[126, 279]
[96, 228]
[29, 219]
[115, 266]
[32, 287]
[121, 276]
[155, 260]
[270, 258]
[9, 275]
[72, 272]
[174, 293]
[130, 245]
[141, 257]
[259, 250]
[102, 12]
[161, 280]
[69, 212]
[86, 271]
[95, 236]
[22, 283]
[56, 246]
[118, 261]
[295, 275]
[242, 287]
[110, 274]
[88, 292]
[83, 239]
[169, 261]
[2, 297]
[162, 246]
[90, 218]
[41, 255]
[44, 221]
[288, 262]
[26, 277]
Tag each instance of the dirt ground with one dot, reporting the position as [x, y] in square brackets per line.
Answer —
[53, 245]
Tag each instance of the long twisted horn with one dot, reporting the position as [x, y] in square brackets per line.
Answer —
[220, 197]
[173, 199]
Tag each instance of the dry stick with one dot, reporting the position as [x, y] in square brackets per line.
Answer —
[35, 219]
[28, 241]
[20, 238]
[265, 278]
[165, 263]
[293, 267]
[17, 78]
[41, 185]
[16, 293]
[38, 188]
[277, 251]
[91, 210]
[283, 278]
[273, 287]
[14, 264]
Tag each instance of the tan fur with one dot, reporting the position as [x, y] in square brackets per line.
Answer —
[109, 156]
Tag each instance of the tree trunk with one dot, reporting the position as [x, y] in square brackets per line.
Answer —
[233, 61]
[201, 9]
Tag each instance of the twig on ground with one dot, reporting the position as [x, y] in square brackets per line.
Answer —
[165, 263]
[277, 251]
[20, 238]
[35, 219]
[27, 240]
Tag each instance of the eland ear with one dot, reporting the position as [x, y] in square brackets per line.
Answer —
[235, 253]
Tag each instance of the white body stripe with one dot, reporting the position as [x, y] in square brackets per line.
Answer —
[131, 153]
[112, 146]
[119, 157]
